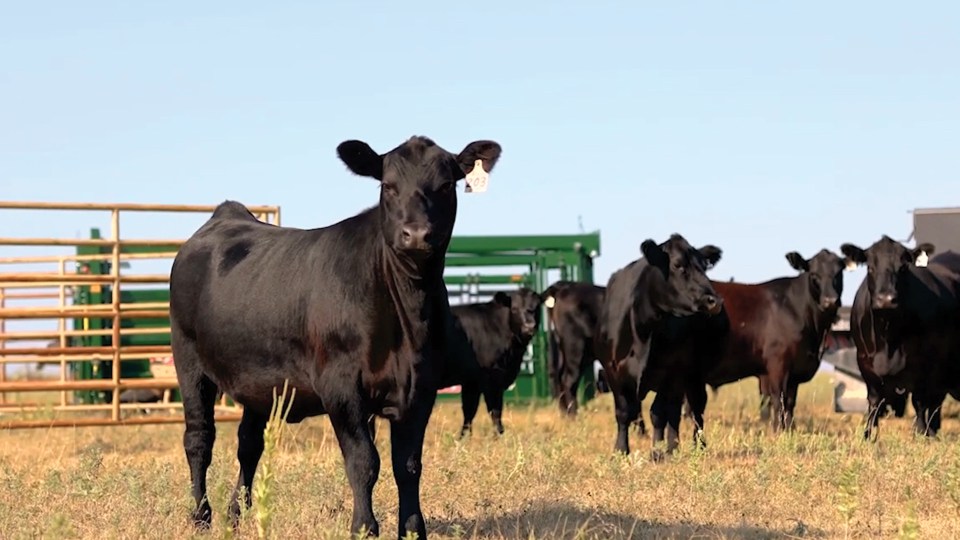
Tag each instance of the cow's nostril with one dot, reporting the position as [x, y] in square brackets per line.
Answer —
[415, 236]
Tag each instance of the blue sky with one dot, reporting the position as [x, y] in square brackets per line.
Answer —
[760, 127]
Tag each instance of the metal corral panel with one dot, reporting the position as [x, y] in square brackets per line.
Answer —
[938, 226]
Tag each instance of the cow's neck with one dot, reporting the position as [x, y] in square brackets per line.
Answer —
[816, 320]
[519, 342]
[412, 288]
[645, 314]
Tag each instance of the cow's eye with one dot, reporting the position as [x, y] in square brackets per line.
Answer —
[389, 188]
[446, 188]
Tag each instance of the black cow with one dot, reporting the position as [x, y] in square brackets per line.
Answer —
[774, 330]
[573, 309]
[354, 315]
[495, 335]
[574, 314]
[670, 280]
[905, 322]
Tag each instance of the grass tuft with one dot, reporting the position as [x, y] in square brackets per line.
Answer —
[264, 488]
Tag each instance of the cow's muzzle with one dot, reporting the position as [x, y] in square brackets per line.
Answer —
[528, 328]
[884, 300]
[415, 238]
[711, 304]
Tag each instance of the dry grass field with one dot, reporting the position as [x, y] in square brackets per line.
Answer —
[545, 478]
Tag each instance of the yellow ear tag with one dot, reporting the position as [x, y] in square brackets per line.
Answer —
[851, 266]
[477, 179]
[550, 302]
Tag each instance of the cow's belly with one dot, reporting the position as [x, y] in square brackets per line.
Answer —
[250, 376]
[306, 402]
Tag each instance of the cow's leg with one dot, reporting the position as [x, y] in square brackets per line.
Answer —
[875, 404]
[469, 402]
[697, 402]
[493, 397]
[674, 410]
[658, 418]
[406, 438]
[763, 383]
[789, 403]
[927, 405]
[899, 404]
[199, 394]
[360, 457]
[638, 423]
[249, 450]
[774, 387]
[665, 415]
[641, 426]
[934, 415]
[627, 407]
[570, 375]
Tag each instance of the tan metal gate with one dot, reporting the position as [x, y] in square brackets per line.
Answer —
[44, 297]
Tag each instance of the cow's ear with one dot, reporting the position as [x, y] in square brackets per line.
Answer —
[711, 254]
[502, 298]
[361, 159]
[854, 253]
[488, 152]
[654, 254]
[798, 262]
[925, 247]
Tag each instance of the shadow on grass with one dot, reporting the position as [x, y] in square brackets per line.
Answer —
[563, 521]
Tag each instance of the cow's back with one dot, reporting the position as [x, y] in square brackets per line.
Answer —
[486, 329]
[730, 342]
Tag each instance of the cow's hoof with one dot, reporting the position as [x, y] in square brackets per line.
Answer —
[202, 517]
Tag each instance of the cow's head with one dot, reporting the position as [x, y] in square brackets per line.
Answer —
[418, 195]
[825, 274]
[524, 306]
[888, 262]
[687, 290]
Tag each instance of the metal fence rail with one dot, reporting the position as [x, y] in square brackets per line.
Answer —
[23, 292]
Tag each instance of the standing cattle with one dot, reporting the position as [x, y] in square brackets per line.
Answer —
[494, 336]
[905, 322]
[574, 314]
[773, 330]
[670, 280]
[573, 309]
[354, 315]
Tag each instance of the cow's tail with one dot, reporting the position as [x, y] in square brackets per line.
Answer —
[553, 360]
[548, 297]
[554, 356]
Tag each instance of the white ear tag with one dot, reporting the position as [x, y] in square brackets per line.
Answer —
[851, 266]
[549, 302]
[477, 179]
[922, 259]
